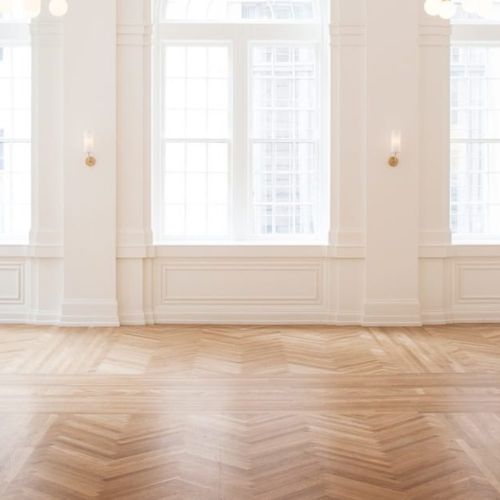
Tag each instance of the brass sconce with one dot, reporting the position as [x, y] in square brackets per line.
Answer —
[395, 149]
[88, 149]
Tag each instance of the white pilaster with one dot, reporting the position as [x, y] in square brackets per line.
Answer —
[46, 237]
[90, 193]
[392, 285]
[134, 158]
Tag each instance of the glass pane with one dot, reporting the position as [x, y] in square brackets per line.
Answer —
[475, 92]
[15, 147]
[285, 137]
[240, 10]
[196, 97]
[475, 152]
[475, 190]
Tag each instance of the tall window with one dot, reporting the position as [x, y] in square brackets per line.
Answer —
[241, 125]
[475, 128]
[15, 132]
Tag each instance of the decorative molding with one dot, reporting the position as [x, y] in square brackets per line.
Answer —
[452, 251]
[263, 296]
[348, 36]
[47, 33]
[134, 35]
[12, 274]
[434, 35]
[46, 251]
[135, 244]
[463, 296]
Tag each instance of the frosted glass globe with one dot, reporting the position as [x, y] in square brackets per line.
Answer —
[5, 6]
[58, 7]
[432, 7]
[31, 8]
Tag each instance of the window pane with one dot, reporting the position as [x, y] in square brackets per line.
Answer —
[475, 92]
[475, 153]
[15, 148]
[285, 140]
[240, 10]
[196, 124]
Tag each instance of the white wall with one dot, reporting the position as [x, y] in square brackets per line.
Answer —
[389, 261]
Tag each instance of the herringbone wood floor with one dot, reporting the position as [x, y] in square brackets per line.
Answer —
[250, 413]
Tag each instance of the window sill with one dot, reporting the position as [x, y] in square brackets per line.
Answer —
[476, 249]
[14, 250]
[258, 250]
[241, 249]
[461, 249]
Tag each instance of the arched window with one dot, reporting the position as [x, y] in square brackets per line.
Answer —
[15, 131]
[475, 127]
[240, 10]
[241, 120]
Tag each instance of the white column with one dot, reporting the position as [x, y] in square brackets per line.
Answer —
[346, 266]
[392, 210]
[435, 234]
[348, 122]
[90, 193]
[134, 163]
[435, 131]
[46, 238]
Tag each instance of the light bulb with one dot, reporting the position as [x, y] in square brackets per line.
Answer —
[58, 7]
[447, 9]
[31, 8]
[5, 6]
[432, 7]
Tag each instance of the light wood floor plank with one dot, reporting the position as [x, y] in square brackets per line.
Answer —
[240, 412]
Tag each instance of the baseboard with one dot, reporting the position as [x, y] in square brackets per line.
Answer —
[392, 313]
[44, 318]
[242, 318]
[89, 313]
[86, 314]
[11, 318]
[436, 317]
[137, 319]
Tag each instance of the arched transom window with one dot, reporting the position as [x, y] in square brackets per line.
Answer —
[240, 10]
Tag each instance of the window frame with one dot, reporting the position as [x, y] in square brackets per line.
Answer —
[473, 34]
[240, 37]
[14, 33]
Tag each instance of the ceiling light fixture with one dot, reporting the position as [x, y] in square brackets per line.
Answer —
[32, 8]
[446, 9]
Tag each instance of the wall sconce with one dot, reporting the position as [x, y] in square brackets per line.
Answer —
[88, 149]
[395, 149]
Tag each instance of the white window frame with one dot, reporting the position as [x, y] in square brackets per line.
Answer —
[239, 37]
[15, 34]
[474, 34]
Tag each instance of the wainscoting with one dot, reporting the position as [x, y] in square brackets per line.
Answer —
[457, 285]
